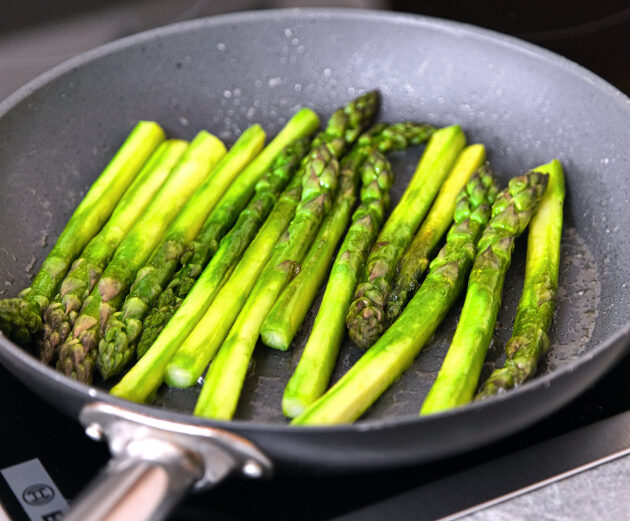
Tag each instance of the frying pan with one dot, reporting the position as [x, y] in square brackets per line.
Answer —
[527, 105]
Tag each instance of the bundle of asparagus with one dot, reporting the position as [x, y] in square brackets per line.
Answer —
[511, 212]
[77, 354]
[86, 270]
[21, 317]
[318, 175]
[287, 314]
[365, 320]
[146, 261]
[385, 361]
[197, 254]
[530, 337]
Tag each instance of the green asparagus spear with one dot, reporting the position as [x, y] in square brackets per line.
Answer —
[200, 251]
[230, 250]
[86, 270]
[366, 314]
[290, 309]
[416, 259]
[77, 354]
[530, 338]
[219, 395]
[197, 350]
[21, 317]
[511, 212]
[394, 352]
[123, 328]
[311, 375]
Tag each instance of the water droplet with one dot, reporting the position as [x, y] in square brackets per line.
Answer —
[258, 83]
[288, 33]
[227, 94]
[274, 82]
[297, 87]
[295, 41]
[184, 122]
[221, 46]
[327, 72]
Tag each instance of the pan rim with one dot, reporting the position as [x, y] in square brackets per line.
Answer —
[457, 29]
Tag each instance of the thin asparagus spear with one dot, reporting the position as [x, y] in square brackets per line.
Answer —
[394, 352]
[233, 244]
[366, 314]
[123, 328]
[530, 337]
[311, 375]
[77, 354]
[197, 350]
[416, 259]
[21, 317]
[511, 212]
[343, 128]
[86, 270]
[289, 311]
[200, 251]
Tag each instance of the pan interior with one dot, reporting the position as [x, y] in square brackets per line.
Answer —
[525, 107]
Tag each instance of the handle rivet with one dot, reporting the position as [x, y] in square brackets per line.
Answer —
[251, 469]
[94, 431]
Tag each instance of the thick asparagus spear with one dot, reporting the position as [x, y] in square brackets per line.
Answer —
[22, 316]
[311, 375]
[86, 270]
[530, 337]
[289, 311]
[123, 328]
[511, 212]
[197, 350]
[394, 352]
[231, 248]
[343, 128]
[77, 354]
[416, 259]
[200, 251]
[366, 315]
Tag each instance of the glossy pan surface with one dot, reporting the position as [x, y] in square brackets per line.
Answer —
[222, 74]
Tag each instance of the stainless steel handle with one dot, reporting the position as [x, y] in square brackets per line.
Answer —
[156, 463]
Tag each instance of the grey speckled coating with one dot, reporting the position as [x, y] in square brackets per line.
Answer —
[224, 73]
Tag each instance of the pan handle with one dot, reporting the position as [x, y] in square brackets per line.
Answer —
[156, 463]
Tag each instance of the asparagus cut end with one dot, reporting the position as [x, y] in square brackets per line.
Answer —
[275, 338]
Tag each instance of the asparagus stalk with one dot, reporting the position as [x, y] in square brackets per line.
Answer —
[123, 328]
[344, 125]
[394, 352]
[86, 270]
[530, 337]
[21, 317]
[77, 354]
[366, 315]
[219, 395]
[311, 375]
[197, 350]
[286, 315]
[231, 248]
[289, 311]
[416, 259]
[200, 251]
[511, 212]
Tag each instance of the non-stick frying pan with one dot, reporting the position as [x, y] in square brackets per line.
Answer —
[527, 105]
